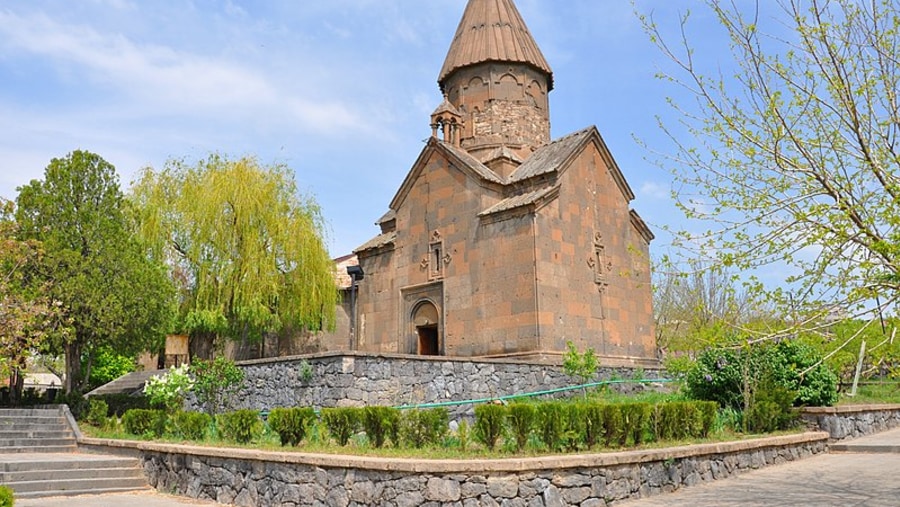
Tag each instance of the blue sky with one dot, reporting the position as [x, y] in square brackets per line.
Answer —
[340, 90]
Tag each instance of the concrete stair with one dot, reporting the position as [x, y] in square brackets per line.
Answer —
[39, 458]
[35, 430]
[127, 384]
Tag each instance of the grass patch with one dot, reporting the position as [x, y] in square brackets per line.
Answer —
[872, 392]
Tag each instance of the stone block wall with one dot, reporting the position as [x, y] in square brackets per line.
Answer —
[354, 379]
[252, 478]
[852, 421]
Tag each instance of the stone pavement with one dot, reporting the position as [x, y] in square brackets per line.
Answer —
[860, 472]
[136, 499]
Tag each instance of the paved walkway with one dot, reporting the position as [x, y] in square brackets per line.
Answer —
[137, 499]
[860, 472]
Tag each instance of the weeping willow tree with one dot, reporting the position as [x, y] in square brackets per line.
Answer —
[244, 246]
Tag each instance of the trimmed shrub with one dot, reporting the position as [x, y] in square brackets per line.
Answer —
[241, 426]
[145, 422]
[7, 499]
[594, 428]
[636, 417]
[342, 422]
[291, 424]
[97, 412]
[462, 434]
[381, 424]
[521, 418]
[709, 411]
[574, 425]
[419, 428]
[551, 424]
[490, 424]
[190, 425]
[613, 424]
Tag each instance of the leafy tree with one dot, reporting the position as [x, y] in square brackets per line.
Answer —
[581, 365]
[108, 366]
[245, 248]
[28, 317]
[114, 295]
[791, 148]
[215, 382]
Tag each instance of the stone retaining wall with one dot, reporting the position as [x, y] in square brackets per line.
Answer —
[852, 421]
[355, 379]
[254, 478]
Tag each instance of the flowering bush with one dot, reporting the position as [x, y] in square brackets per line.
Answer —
[169, 389]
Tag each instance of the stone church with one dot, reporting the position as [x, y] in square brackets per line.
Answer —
[502, 242]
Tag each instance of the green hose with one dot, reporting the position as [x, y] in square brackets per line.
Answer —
[536, 393]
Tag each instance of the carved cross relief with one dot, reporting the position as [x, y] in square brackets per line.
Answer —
[601, 267]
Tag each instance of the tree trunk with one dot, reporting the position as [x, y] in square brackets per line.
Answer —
[16, 386]
[73, 382]
[201, 346]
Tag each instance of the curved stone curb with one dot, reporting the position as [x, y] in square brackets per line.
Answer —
[513, 464]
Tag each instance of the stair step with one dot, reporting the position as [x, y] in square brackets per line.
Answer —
[28, 442]
[70, 474]
[25, 425]
[44, 449]
[78, 492]
[76, 484]
[7, 413]
[38, 433]
[37, 419]
[67, 462]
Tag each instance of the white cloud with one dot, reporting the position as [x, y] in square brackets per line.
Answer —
[655, 190]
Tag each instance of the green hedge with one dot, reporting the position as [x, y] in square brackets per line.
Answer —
[583, 425]
[190, 425]
[145, 422]
[342, 422]
[241, 426]
[291, 424]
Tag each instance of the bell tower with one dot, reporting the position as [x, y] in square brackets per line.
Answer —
[497, 82]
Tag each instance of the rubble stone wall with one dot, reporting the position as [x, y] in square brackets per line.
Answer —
[252, 478]
[348, 379]
[852, 421]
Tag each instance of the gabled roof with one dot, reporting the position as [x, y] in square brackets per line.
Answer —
[519, 201]
[493, 31]
[551, 157]
[377, 242]
[457, 156]
[556, 156]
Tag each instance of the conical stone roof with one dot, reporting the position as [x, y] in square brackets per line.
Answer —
[493, 31]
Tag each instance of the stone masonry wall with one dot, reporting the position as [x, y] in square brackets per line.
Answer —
[250, 478]
[363, 379]
[853, 420]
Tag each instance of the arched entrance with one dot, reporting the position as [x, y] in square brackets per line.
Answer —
[426, 322]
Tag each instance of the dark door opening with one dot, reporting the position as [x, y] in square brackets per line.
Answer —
[428, 341]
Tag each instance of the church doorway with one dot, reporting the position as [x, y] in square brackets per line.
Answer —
[426, 322]
[428, 341]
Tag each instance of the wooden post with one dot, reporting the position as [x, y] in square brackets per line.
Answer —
[859, 363]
